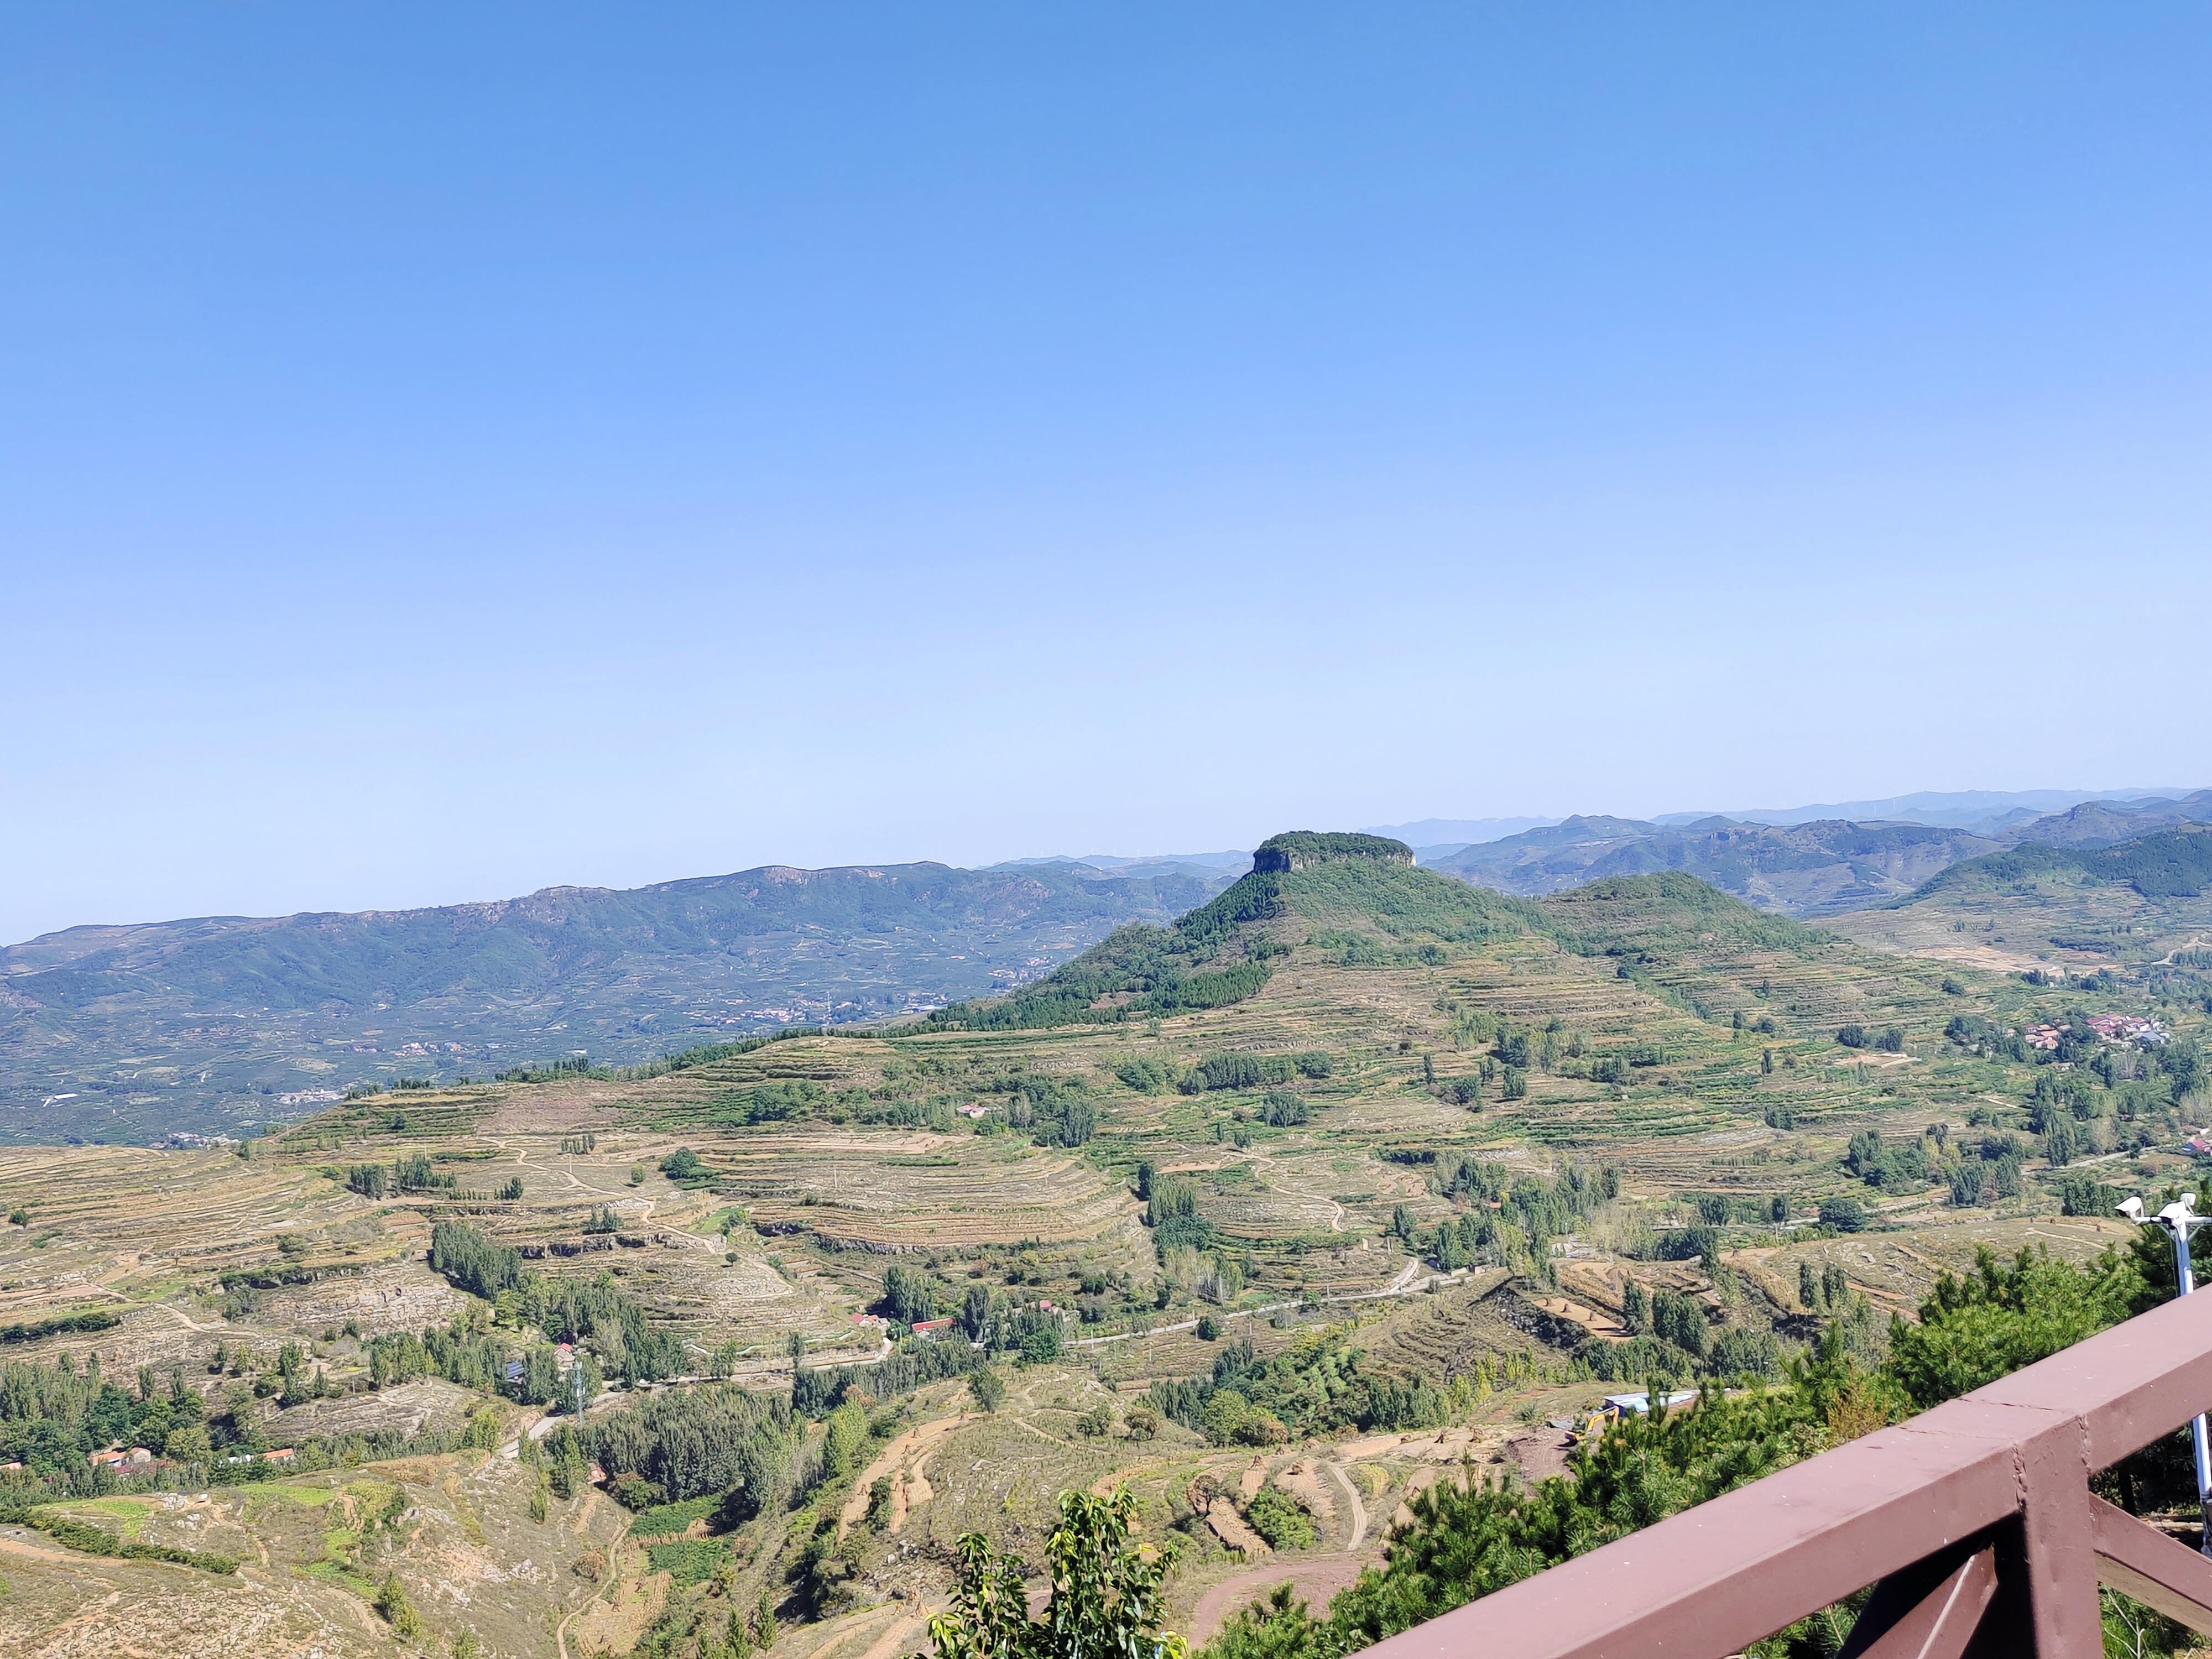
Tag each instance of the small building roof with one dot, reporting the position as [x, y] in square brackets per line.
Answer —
[1640, 1401]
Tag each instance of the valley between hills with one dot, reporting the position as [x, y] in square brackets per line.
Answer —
[1349, 1178]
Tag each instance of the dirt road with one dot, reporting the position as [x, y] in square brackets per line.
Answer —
[1316, 1578]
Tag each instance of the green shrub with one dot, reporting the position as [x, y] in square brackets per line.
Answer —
[688, 1560]
[1280, 1519]
[2084, 1195]
[989, 1392]
[635, 1492]
[684, 1165]
[1148, 1074]
[397, 1611]
[1843, 1212]
[671, 1520]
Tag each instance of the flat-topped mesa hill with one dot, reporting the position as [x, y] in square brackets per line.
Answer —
[1296, 850]
[1223, 952]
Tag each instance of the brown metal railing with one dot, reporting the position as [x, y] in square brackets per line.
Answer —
[1974, 1522]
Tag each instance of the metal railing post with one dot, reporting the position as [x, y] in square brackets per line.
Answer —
[2180, 1219]
[2203, 1458]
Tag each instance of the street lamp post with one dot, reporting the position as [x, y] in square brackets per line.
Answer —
[2179, 1219]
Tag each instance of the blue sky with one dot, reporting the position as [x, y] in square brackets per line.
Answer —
[445, 452]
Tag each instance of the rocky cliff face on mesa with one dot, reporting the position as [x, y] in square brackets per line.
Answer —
[1304, 849]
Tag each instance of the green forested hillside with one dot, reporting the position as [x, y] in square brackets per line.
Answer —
[2144, 903]
[2168, 864]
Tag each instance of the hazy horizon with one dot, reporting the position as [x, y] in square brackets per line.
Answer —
[2117, 792]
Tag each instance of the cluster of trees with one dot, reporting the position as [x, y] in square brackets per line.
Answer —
[35, 1330]
[1191, 1259]
[478, 1360]
[615, 1324]
[1531, 1214]
[53, 1418]
[698, 1443]
[723, 1452]
[1280, 1519]
[2096, 1107]
[1722, 1209]
[769, 1103]
[406, 1175]
[1345, 947]
[990, 1319]
[1056, 1107]
[937, 1114]
[458, 1354]
[910, 1296]
[1148, 1074]
[1986, 1038]
[1890, 1040]
[1880, 1164]
[1280, 1107]
[1829, 1288]
[1315, 1385]
[686, 1167]
[553, 1071]
[816, 1393]
[1251, 1071]
[1670, 1336]
[1171, 1212]
[1976, 1172]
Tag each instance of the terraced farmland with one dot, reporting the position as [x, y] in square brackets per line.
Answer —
[1660, 1066]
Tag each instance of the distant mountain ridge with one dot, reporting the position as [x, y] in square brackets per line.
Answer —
[1981, 810]
[213, 1024]
[207, 1024]
[1815, 868]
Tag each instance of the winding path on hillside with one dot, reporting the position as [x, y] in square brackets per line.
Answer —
[614, 1569]
[1359, 1509]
